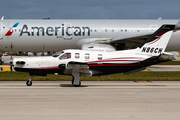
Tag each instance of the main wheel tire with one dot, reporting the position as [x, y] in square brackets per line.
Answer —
[28, 83]
[0, 62]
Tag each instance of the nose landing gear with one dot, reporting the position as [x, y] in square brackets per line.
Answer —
[29, 82]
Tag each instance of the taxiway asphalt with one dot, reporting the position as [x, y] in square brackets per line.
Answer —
[105, 100]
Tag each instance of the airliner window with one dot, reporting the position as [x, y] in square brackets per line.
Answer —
[87, 56]
[65, 56]
[99, 56]
[57, 54]
[77, 55]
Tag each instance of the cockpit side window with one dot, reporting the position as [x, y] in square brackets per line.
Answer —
[65, 56]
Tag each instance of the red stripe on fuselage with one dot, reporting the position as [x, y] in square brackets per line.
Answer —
[115, 59]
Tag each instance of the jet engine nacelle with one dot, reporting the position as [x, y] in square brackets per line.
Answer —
[98, 47]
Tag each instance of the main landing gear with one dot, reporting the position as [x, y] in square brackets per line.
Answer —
[76, 80]
[29, 82]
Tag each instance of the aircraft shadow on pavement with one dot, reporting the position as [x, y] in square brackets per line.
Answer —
[70, 85]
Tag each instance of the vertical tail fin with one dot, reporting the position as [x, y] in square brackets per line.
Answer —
[157, 42]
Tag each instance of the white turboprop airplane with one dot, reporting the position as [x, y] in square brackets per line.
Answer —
[89, 63]
[97, 35]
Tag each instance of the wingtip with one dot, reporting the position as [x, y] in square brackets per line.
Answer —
[177, 26]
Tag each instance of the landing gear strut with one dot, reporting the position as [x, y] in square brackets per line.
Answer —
[29, 82]
[76, 80]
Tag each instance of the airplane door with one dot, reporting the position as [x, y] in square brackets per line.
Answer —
[68, 31]
[1, 29]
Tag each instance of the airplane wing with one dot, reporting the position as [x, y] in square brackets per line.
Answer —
[129, 43]
[113, 44]
[78, 67]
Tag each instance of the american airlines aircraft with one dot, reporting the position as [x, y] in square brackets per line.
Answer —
[102, 35]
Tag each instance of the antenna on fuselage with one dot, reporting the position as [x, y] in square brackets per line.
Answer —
[2, 18]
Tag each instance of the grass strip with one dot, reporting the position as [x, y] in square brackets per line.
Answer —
[170, 63]
[138, 76]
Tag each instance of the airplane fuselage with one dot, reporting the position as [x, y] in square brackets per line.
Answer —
[56, 35]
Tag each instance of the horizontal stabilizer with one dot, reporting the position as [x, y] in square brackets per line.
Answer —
[166, 56]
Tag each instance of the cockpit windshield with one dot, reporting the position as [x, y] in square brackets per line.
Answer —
[57, 54]
[65, 56]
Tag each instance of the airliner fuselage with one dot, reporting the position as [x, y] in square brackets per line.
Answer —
[56, 35]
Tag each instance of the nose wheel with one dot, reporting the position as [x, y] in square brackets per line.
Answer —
[29, 82]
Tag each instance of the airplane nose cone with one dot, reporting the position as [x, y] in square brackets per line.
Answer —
[8, 62]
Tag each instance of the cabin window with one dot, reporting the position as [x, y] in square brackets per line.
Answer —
[95, 30]
[112, 30]
[105, 30]
[65, 56]
[99, 57]
[77, 55]
[87, 56]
